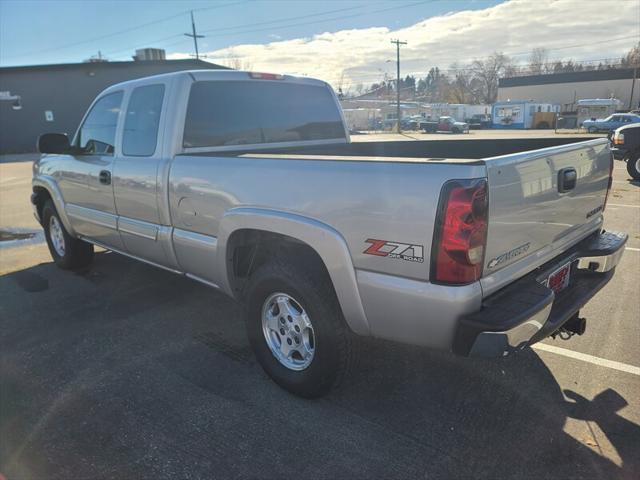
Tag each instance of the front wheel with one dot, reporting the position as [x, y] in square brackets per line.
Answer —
[296, 328]
[67, 252]
[455, 130]
[633, 165]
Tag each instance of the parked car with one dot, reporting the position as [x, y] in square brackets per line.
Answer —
[479, 121]
[610, 123]
[436, 243]
[626, 147]
[444, 124]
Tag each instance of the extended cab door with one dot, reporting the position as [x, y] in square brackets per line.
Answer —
[85, 178]
[138, 174]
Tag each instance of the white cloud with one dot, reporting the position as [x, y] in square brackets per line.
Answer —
[513, 27]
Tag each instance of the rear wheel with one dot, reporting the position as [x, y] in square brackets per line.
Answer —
[633, 165]
[296, 328]
[455, 130]
[592, 130]
[67, 252]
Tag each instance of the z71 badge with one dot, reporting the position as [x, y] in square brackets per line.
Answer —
[404, 251]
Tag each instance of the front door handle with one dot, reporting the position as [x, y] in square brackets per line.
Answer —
[105, 177]
[567, 178]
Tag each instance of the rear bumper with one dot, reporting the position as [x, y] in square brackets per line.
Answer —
[527, 311]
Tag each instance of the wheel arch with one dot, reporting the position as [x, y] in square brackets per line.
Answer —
[45, 188]
[316, 241]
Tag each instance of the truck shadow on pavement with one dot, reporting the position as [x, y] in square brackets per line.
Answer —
[127, 371]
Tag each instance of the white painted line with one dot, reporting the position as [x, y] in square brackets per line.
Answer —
[622, 205]
[632, 249]
[602, 362]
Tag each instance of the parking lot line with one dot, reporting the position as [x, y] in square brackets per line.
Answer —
[622, 205]
[632, 249]
[603, 362]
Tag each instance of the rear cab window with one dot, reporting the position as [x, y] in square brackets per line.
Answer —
[229, 113]
[142, 120]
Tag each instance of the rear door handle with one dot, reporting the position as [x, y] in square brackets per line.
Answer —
[105, 177]
[567, 179]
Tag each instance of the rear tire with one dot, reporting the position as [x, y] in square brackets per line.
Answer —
[633, 165]
[324, 352]
[455, 130]
[592, 130]
[67, 252]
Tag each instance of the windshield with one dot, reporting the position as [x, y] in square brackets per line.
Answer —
[222, 113]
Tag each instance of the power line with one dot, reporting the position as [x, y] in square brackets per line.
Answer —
[342, 17]
[278, 27]
[120, 32]
[299, 17]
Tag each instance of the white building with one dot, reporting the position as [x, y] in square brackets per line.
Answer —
[519, 113]
[593, 108]
[566, 89]
[362, 118]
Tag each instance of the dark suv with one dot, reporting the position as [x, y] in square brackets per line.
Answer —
[626, 146]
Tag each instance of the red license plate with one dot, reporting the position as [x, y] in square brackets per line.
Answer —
[559, 279]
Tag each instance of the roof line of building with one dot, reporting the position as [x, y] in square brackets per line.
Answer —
[568, 77]
[98, 65]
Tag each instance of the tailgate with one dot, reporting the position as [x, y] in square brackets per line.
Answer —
[531, 215]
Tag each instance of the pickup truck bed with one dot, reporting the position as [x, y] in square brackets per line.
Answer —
[420, 150]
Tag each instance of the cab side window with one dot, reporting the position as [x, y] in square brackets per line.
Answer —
[142, 121]
[98, 132]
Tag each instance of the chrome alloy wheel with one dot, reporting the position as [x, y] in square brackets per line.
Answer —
[56, 235]
[288, 331]
[638, 164]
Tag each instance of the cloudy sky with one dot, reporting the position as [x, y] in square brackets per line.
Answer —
[578, 29]
[329, 39]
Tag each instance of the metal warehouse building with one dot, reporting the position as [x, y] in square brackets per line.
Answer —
[53, 98]
[566, 89]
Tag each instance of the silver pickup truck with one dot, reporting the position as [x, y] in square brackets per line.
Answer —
[249, 183]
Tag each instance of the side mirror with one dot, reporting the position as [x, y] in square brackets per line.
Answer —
[54, 143]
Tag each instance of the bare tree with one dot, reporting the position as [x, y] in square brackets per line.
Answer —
[487, 72]
[632, 58]
[236, 62]
[539, 61]
[461, 87]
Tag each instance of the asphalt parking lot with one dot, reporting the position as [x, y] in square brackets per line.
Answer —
[126, 371]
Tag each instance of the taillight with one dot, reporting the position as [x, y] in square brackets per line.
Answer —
[457, 253]
[265, 76]
[610, 183]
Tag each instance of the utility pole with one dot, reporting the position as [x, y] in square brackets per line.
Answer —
[398, 43]
[194, 35]
[633, 85]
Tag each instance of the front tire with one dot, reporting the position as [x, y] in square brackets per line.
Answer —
[67, 252]
[633, 165]
[296, 328]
